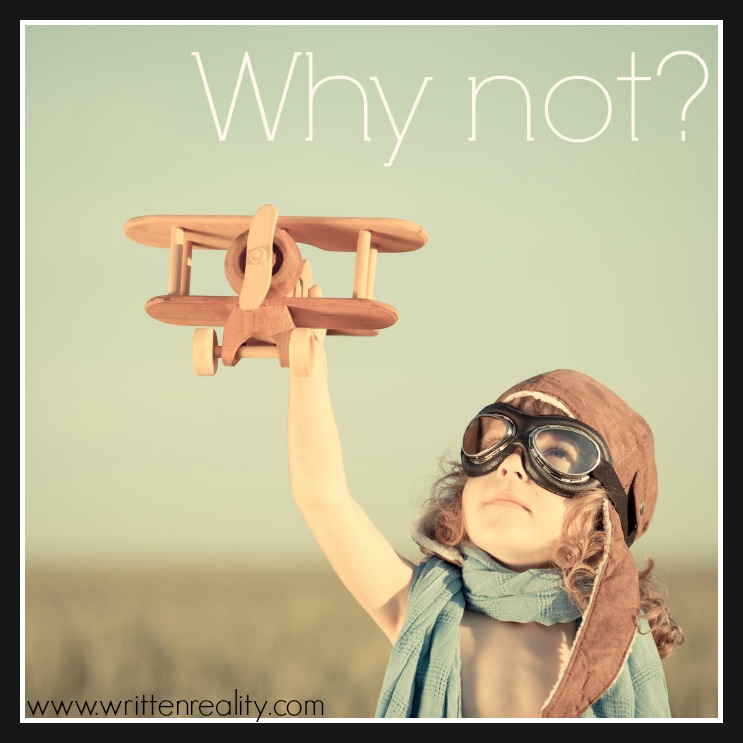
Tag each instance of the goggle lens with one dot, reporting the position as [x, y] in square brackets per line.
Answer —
[565, 451]
[485, 436]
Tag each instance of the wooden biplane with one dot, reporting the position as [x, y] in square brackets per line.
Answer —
[275, 310]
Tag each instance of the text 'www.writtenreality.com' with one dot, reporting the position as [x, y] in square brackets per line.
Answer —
[149, 706]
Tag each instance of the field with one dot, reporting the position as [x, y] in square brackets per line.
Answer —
[229, 644]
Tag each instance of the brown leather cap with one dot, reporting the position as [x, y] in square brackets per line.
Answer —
[628, 435]
[609, 624]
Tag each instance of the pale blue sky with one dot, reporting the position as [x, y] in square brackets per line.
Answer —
[583, 236]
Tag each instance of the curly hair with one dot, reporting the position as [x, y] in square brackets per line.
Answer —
[579, 552]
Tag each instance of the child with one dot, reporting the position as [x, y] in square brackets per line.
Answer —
[528, 602]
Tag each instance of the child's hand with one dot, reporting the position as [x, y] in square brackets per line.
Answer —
[320, 361]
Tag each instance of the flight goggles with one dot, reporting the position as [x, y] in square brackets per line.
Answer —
[561, 454]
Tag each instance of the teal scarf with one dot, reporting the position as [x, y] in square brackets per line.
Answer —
[423, 677]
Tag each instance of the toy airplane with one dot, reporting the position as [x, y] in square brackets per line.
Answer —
[275, 311]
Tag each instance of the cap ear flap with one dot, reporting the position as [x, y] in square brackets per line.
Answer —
[420, 530]
[607, 629]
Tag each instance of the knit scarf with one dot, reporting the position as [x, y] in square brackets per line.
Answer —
[423, 677]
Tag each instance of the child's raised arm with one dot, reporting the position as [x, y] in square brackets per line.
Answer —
[375, 574]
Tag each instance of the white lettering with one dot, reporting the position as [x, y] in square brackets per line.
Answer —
[399, 136]
[222, 131]
[475, 92]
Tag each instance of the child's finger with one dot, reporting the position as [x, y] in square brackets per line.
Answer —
[316, 291]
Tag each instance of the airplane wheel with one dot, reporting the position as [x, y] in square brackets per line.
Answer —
[203, 347]
[301, 352]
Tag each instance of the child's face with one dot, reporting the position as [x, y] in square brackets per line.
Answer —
[510, 517]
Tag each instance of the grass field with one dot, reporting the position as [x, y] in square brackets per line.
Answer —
[222, 644]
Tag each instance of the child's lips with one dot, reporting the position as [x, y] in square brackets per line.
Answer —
[506, 500]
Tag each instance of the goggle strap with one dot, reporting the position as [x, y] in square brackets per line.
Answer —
[606, 475]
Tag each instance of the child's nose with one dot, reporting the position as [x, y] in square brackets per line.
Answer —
[513, 466]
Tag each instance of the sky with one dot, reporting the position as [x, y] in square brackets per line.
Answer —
[567, 176]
